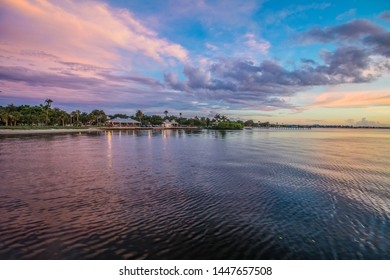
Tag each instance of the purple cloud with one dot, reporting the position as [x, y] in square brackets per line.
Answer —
[38, 53]
[308, 61]
[385, 15]
[244, 82]
[380, 42]
[35, 78]
[370, 34]
[349, 31]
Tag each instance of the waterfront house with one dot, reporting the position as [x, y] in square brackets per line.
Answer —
[168, 124]
[120, 122]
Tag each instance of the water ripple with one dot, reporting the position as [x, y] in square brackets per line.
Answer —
[196, 195]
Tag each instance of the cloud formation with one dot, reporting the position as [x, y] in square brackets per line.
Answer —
[268, 83]
[385, 15]
[380, 43]
[80, 51]
[349, 31]
[351, 99]
[257, 45]
[355, 31]
[90, 52]
[97, 31]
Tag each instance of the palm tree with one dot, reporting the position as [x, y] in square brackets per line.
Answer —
[77, 115]
[72, 115]
[10, 114]
[11, 117]
[63, 116]
[166, 113]
[139, 115]
[48, 106]
[16, 116]
[97, 115]
[4, 116]
[180, 119]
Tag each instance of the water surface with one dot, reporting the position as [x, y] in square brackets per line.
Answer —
[252, 194]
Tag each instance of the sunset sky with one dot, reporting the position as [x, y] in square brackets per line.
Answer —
[279, 61]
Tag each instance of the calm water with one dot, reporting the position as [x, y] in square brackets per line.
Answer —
[252, 194]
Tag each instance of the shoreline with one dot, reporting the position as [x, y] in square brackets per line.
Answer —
[43, 131]
[80, 130]
[9, 132]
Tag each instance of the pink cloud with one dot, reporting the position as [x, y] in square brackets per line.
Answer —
[352, 99]
[79, 51]
[83, 31]
[257, 45]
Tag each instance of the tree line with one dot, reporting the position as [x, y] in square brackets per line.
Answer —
[47, 115]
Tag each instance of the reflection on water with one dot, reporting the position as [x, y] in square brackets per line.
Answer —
[159, 194]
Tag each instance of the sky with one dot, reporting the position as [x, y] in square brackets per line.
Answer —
[278, 61]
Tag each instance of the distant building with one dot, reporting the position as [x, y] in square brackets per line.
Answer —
[119, 122]
[167, 124]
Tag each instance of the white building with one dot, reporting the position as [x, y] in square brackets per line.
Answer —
[167, 124]
[119, 122]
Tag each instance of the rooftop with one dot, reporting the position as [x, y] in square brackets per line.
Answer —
[120, 120]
